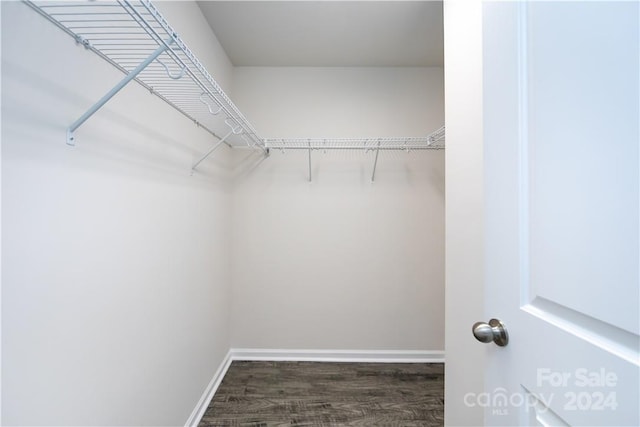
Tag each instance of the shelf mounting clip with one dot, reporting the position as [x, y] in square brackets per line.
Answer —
[132, 75]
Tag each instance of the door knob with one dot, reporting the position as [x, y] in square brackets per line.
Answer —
[493, 331]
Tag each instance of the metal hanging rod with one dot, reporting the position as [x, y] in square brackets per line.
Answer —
[136, 39]
[433, 141]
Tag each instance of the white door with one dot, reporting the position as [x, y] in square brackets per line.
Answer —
[561, 135]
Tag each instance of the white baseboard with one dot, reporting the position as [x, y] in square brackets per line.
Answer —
[373, 356]
[257, 354]
[205, 399]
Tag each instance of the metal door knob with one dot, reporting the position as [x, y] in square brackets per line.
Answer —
[493, 331]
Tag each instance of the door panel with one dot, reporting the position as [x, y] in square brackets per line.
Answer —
[581, 105]
[538, 413]
[561, 203]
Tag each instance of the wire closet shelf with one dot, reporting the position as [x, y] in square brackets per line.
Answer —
[134, 37]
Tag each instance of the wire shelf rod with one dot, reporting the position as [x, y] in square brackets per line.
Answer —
[132, 50]
[98, 27]
[124, 39]
[351, 147]
[89, 14]
[62, 4]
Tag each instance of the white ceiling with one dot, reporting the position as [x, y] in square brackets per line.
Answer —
[328, 33]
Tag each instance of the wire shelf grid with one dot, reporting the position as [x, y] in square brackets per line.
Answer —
[434, 141]
[126, 33]
[134, 37]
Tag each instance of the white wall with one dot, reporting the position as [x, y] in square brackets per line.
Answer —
[339, 263]
[464, 209]
[118, 265]
[116, 268]
[337, 102]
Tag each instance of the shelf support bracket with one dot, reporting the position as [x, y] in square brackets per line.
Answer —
[132, 75]
[309, 161]
[375, 163]
[208, 153]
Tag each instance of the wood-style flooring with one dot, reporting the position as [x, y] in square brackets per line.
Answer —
[328, 394]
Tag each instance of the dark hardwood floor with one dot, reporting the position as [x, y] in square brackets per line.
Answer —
[328, 394]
